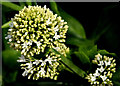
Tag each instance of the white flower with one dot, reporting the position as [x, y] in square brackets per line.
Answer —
[26, 33]
[57, 48]
[98, 56]
[24, 45]
[38, 74]
[103, 77]
[107, 63]
[10, 40]
[10, 29]
[23, 51]
[21, 59]
[11, 24]
[56, 28]
[48, 22]
[102, 74]
[45, 7]
[43, 63]
[93, 78]
[29, 42]
[42, 72]
[50, 60]
[25, 73]
[62, 20]
[101, 63]
[101, 69]
[36, 62]
[8, 37]
[56, 36]
[38, 44]
[96, 73]
[29, 65]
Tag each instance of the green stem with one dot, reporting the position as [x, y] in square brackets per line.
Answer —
[71, 65]
[11, 5]
[6, 25]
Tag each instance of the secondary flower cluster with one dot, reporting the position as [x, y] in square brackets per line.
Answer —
[34, 31]
[102, 75]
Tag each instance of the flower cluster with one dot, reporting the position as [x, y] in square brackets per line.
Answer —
[34, 31]
[102, 75]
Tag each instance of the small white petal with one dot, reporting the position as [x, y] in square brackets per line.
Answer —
[25, 73]
[103, 77]
[10, 29]
[93, 78]
[101, 69]
[101, 63]
[10, 40]
[11, 24]
[45, 7]
[56, 36]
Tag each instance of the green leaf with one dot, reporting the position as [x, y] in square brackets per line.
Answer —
[11, 5]
[10, 58]
[86, 52]
[92, 52]
[75, 27]
[29, 2]
[104, 52]
[83, 57]
[78, 41]
[54, 7]
[22, 4]
[116, 77]
[6, 25]
[71, 65]
[8, 76]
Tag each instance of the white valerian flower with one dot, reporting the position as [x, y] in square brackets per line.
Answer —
[43, 63]
[25, 73]
[48, 22]
[56, 36]
[11, 24]
[24, 45]
[101, 63]
[29, 65]
[50, 60]
[57, 48]
[8, 37]
[93, 78]
[38, 44]
[10, 29]
[29, 42]
[103, 77]
[42, 72]
[45, 7]
[36, 62]
[40, 24]
[96, 73]
[36, 30]
[106, 67]
[56, 29]
[101, 69]
[98, 56]
[21, 59]
[107, 63]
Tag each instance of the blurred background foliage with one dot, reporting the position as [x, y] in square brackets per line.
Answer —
[93, 28]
